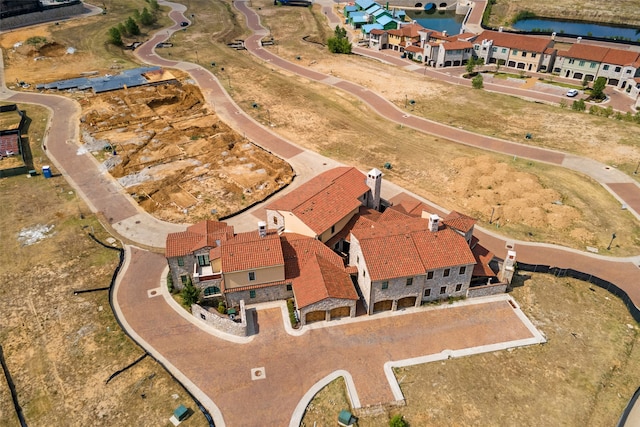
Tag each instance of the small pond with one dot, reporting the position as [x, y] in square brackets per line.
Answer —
[578, 29]
[437, 20]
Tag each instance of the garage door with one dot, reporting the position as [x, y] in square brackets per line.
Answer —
[341, 312]
[315, 316]
[382, 306]
[406, 302]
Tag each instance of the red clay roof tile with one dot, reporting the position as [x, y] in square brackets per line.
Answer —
[321, 279]
[515, 41]
[248, 251]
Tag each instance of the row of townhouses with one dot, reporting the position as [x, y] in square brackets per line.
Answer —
[621, 67]
[331, 243]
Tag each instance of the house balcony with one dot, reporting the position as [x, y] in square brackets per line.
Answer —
[205, 273]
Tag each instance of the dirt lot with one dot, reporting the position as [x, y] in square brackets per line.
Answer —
[174, 156]
[583, 376]
[61, 348]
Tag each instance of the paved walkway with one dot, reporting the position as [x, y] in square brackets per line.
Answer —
[353, 347]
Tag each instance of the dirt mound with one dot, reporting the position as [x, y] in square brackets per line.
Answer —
[176, 158]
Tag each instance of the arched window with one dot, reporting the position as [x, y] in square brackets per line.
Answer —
[211, 290]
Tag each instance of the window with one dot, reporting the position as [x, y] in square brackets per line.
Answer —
[275, 220]
[427, 292]
[592, 65]
[333, 229]
[443, 290]
[385, 284]
[476, 47]
[617, 70]
[203, 260]
[515, 51]
[533, 54]
[504, 50]
[252, 276]
[462, 270]
[358, 259]
[184, 279]
[446, 272]
[211, 290]
[429, 275]
[581, 63]
[494, 49]
[409, 281]
[524, 54]
[628, 71]
[364, 273]
[289, 288]
[605, 68]
[458, 287]
[181, 261]
[571, 61]
[252, 294]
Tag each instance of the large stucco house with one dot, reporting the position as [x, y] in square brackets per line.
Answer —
[332, 243]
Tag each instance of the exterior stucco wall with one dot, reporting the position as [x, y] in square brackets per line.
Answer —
[338, 227]
[262, 275]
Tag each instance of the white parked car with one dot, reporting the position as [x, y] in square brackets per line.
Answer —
[572, 93]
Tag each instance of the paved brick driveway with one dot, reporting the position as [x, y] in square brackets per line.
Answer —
[222, 369]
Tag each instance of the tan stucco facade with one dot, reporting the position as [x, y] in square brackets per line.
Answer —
[262, 275]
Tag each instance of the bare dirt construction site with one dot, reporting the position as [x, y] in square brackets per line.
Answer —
[174, 156]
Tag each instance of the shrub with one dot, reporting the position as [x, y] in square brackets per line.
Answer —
[115, 37]
[398, 421]
[292, 312]
[477, 82]
[578, 105]
[222, 309]
[170, 283]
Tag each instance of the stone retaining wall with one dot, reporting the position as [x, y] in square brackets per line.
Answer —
[222, 322]
[486, 290]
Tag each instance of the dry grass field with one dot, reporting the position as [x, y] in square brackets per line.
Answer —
[583, 376]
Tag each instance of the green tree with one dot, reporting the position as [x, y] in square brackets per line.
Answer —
[132, 27]
[598, 88]
[136, 15]
[115, 37]
[339, 43]
[147, 18]
[397, 421]
[477, 82]
[472, 64]
[154, 5]
[122, 29]
[190, 294]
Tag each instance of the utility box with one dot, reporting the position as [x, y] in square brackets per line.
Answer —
[346, 418]
[46, 171]
[181, 413]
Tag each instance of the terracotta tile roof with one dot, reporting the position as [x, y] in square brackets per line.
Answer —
[412, 48]
[298, 249]
[586, 52]
[365, 213]
[248, 251]
[321, 279]
[550, 51]
[483, 257]
[620, 57]
[515, 41]
[457, 45]
[390, 256]
[459, 221]
[377, 31]
[351, 269]
[198, 236]
[326, 199]
[420, 249]
[444, 248]
[250, 287]
[410, 30]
